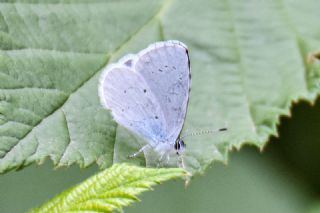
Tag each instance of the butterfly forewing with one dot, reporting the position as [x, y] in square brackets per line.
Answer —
[165, 67]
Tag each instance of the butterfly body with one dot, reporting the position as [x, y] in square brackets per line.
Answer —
[148, 93]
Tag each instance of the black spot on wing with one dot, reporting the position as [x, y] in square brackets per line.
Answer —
[128, 63]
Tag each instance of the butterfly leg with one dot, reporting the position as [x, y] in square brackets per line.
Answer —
[140, 151]
[161, 159]
[167, 159]
[181, 161]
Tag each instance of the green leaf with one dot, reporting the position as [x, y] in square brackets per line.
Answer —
[109, 190]
[248, 62]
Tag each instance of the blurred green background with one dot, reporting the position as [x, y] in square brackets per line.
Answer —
[284, 177]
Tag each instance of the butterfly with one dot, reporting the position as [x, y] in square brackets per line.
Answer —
[148, 94]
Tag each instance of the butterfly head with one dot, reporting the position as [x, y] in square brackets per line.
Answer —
[179, 146]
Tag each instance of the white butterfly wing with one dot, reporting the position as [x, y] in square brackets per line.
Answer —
[132, 102]
[165, 67]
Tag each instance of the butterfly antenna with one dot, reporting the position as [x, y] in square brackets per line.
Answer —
[202, 132]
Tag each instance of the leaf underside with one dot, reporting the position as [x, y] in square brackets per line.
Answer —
[248, 61]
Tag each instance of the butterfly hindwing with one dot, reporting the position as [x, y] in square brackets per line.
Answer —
[132, 103]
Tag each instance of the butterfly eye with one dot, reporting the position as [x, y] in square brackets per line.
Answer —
[179, 144]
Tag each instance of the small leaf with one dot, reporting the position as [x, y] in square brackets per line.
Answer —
[109, 190]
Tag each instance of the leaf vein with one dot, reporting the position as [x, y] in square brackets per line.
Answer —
[68, 136]
[297, 37]
[241, 63]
